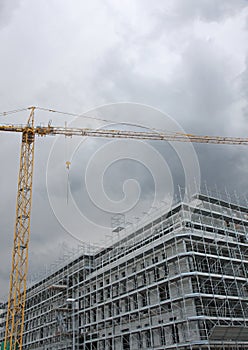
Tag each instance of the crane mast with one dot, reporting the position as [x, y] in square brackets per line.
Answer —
[17, 290]
[18, 277]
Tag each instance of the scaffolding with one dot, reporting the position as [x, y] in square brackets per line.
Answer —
[175, 280]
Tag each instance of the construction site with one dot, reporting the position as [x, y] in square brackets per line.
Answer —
[124, 165]
[177, 281]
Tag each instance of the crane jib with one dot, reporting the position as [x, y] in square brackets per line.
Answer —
[105, 133]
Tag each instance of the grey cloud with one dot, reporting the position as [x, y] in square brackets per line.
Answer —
[198, 93]
[205, 84]
[7, 9]
[172, 19]
[208, 10]
[225, 168]
[201, 96]
[243, 86]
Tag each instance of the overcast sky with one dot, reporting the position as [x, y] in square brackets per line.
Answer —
[182, 63]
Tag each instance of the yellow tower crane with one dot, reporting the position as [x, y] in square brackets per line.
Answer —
[17, 289]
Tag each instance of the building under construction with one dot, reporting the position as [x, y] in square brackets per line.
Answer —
[177, 281]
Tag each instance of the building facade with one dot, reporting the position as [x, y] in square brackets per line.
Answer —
[176, 282]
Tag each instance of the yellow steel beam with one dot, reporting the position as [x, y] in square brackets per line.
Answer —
[17, 290]
[129, 134]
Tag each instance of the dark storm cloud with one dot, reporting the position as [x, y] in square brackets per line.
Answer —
[206, 89]
[201, 90]
[201, 95]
